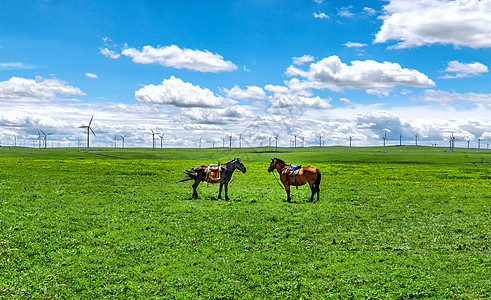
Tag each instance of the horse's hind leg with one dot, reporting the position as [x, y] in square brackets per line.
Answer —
[195, 192]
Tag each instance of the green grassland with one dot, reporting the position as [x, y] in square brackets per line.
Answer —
[411, 222]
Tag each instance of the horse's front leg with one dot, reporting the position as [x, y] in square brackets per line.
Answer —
[220, 191]
[287, 189]
[226, 192]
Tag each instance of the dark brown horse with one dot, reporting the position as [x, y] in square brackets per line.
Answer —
[309, 175]
[202, 173]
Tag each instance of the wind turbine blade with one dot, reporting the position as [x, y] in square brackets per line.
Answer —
[43, 132]
[92, 131]
[90, 122]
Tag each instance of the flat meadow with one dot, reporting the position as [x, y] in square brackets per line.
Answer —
[411, 222]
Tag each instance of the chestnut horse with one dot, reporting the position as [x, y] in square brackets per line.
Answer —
[309, 175]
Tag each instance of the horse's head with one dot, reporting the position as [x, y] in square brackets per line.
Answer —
[239, 165]
[272, 165]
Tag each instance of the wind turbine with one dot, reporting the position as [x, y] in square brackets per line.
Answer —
[416, 135]
[153, 138]
[230, 146]
[200, 139]
[400, 140]
[385, 139]
[295, 140]
[122, 137]
[320, 140]
[45, 136]
[161, 140]
[223, 142]
[276, 137]
[350, 140]
[39, 138]
[479, 143]
[15, 140]
[115, 141]
[78, 142]
[89, 129]
[468, 144]
[452, 142]
[240, 141]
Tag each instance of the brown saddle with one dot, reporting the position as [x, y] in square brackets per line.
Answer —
[213, 173]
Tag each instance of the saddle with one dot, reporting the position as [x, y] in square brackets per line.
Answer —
[213, 173]
[293, 171]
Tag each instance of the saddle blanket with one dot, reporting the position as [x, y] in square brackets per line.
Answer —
[292, 167]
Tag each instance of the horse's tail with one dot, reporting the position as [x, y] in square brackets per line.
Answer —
[190, 175]
[317, 182]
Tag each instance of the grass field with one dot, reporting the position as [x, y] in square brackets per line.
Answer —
[412, 222]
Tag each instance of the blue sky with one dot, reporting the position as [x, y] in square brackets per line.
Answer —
[254, 69]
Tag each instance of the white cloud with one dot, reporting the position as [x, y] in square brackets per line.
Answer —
[448, 97]
[173, 56]
[295, 96]
[355, 45]
[345, 11]
[91, 75]
[346, 100]
[109, 53]
[369, 11]
[331, 73]
[318, 1]
[39, 88]
[15, 66]
[303, 59]
[462, 70]
[252, 92]
[320, 15]
[421, 22]
[174, 91]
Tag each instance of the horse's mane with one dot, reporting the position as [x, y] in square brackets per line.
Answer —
[280, 161]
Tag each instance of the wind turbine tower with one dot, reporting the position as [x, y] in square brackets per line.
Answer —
[400, 140]
[230, 145]
[122, 137]
[416, 135]
[161, 141]
[385, 139]
[89, 129]
[276, 137]
[153, 139]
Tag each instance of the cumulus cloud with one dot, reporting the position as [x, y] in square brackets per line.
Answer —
[331, 73]
[91, 75]
[295, 97]
[462, 70]
[320, 15]
[252, 92]
[174, 91]
[303, 59]
[109, 53]
[421, 22]
[173, 56]
[39, 88]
